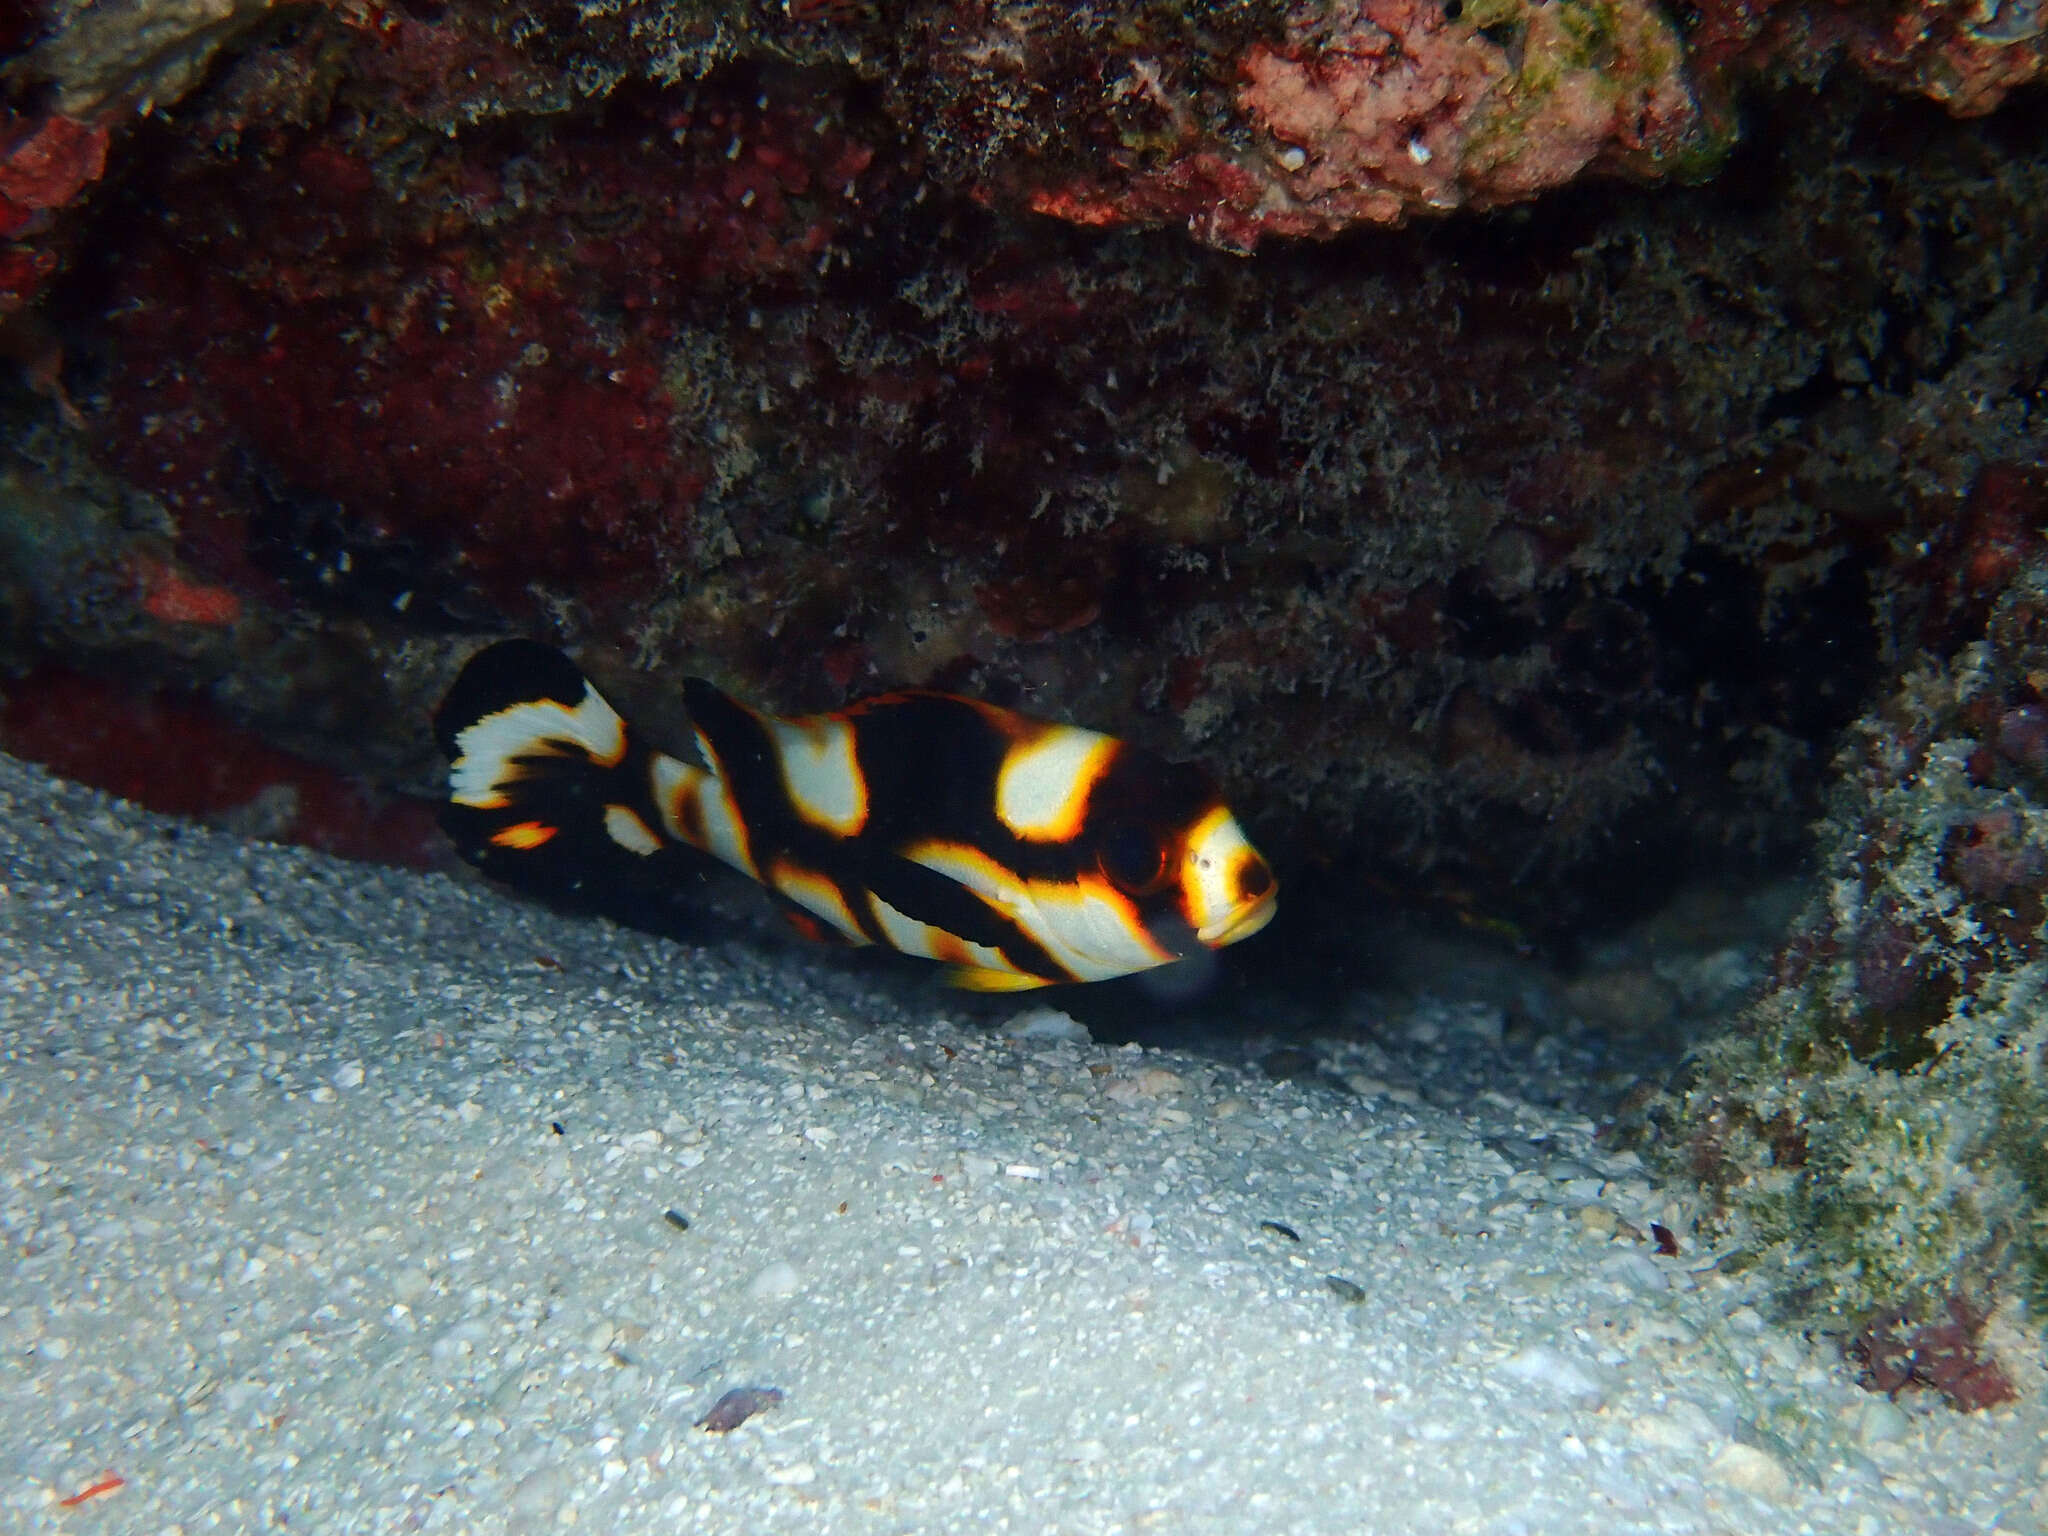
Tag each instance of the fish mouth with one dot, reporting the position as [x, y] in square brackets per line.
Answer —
[1241, 924]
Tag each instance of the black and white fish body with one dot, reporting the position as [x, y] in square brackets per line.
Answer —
[1019, 852]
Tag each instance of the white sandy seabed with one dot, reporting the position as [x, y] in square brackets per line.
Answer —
[337, 1199]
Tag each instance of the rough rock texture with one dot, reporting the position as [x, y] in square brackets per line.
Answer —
[1967, 56]
[1355, 113]
[1232, 119]
[1874, 1127]
[140, 53]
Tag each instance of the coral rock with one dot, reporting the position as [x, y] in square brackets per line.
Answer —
[147, 51]
[1374, 111]
[1904, 1046]
[45, 166]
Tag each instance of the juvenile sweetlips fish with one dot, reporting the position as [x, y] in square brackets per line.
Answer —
[1020, 852]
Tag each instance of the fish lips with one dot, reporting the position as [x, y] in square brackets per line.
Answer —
[1241, 924]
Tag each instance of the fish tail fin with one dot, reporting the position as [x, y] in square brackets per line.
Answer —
[547, 788]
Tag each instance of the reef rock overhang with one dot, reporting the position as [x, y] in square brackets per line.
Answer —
[1235, 121]
[721, 338]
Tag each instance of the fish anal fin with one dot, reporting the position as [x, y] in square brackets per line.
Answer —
[523, 835]
[979, 978]
[809, 926]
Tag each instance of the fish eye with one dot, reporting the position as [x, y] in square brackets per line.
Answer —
[1132, 859]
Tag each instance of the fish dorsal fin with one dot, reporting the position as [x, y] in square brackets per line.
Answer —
[727, 731]
[791, 778]
[500, 677]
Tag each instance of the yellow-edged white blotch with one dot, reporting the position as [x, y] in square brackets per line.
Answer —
[820, 771]
[817, 895]
[486, 766]
[929, 942]
[1083, 924]
[697, 808]
[1043, 787]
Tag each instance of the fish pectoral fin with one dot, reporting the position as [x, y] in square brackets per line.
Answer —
[979, 978]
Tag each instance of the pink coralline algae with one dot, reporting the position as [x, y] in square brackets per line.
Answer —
[1402, 105]
[1945, 1355]
[1309, 118]
[1372, 111]
[497, 341]
[45, 164]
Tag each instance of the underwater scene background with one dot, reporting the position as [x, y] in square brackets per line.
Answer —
[1573, 472]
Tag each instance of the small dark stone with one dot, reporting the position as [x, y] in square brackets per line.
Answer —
[1289, 1061]
[676, 1219]
[738, 1406]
